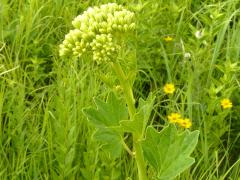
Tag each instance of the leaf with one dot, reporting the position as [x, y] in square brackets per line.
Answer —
[140, 120]
[108, 113]
[106, 118]
[169, 151]
[111, 141]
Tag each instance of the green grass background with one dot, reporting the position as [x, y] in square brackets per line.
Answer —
[43, 133]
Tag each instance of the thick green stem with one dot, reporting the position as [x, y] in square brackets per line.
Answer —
[127, 89]
[140, 160]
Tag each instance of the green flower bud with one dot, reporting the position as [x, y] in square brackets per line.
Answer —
[114, 26]
[132, 26]
[120, 28]
[95, 32]
[125, 27]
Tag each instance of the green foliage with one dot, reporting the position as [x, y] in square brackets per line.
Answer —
[106, 118]
[45, 135]
[169, 151]
[141, 118]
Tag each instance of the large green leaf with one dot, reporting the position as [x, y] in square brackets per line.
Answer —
[140, 119]
[106, 118]
[111, 141]
[169, 151]
[108, 113]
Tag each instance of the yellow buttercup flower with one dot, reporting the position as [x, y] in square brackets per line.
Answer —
[226, 103]
[177, 118]
[169, 88]
[185, 123]
[174, 117]
[168, 38]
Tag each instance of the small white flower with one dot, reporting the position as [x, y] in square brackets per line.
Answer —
[187, 55]
[199, 34]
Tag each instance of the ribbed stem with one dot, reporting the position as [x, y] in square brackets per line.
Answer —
[142, 175]
[127, 89]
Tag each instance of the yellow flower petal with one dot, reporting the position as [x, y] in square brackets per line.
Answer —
[174, 117]
[168, 38]
[185, 123]
[169, 88]
[226, 103]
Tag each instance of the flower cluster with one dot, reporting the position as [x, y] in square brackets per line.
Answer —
[177, 118]
[96, 31]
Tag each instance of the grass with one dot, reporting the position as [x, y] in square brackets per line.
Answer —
[43, 133]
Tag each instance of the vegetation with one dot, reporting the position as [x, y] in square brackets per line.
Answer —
[187, 56]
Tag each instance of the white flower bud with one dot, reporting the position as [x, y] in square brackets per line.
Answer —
[199, 34]
[187, 55]
[90, 10]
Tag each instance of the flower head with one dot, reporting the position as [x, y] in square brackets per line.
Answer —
[199, 34]
[169, 88]
[185, 123]
[97, 31]
[187, 55]
[174, 117]
[177, 119]
[226, 103]
[168, 38]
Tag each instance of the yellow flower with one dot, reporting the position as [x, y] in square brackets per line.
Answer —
[226, 103]
[185, 123]
[174, 117]
[168, 38]
[169, 88]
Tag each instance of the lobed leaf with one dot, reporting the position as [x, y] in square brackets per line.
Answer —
[169, 151]
[106, 118]
[140, 120]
